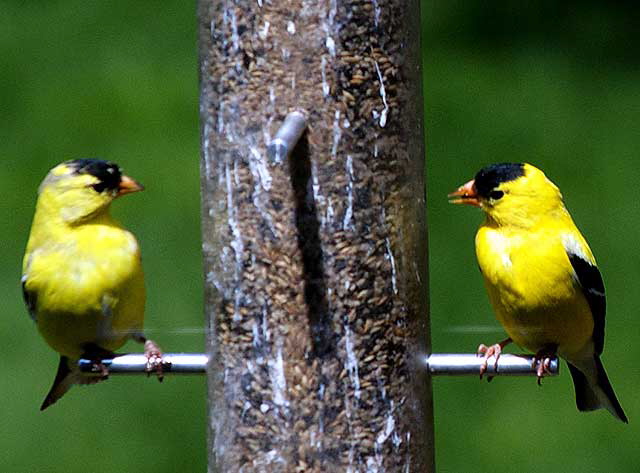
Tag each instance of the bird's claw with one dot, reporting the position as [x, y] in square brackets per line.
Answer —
[154, 359]
[487, 352]
[542, 364]
[100, 368]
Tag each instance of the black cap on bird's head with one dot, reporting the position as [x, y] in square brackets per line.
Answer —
[490, 177]
[485, 184]
[108, 174]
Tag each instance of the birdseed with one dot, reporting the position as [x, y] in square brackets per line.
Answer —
[315, 266]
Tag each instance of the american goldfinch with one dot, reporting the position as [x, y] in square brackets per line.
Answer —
[82, 279]
[541, 276]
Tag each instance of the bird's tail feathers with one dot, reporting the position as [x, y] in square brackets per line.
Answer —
[66, 376]
[593, 388]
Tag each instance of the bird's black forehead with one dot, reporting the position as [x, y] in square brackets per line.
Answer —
[108, 173]
[490, 177]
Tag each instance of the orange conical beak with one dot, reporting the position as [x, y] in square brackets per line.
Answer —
[128, 185]
[465, 194]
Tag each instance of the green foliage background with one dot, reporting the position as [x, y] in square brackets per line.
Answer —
[558, 86]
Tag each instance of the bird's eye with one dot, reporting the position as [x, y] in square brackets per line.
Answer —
[99, 187]
[495, 195]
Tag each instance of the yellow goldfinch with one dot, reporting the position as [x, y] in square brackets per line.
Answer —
[82, 279]
[541, 276]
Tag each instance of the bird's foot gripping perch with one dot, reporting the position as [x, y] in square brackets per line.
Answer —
[154, 356]
[542, 362]
[491, 351]
[154, 359]
[100, 369]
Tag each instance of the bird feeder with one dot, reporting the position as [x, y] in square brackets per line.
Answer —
[315, 237]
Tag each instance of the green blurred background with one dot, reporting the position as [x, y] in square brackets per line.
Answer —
[558, 86]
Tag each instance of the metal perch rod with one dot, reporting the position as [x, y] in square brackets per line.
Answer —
[461, 364]
[172, 363]
[287, 136]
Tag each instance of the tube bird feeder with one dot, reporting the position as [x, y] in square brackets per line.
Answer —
[314, 243]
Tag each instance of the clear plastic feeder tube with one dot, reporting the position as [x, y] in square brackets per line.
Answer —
[315, 258]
